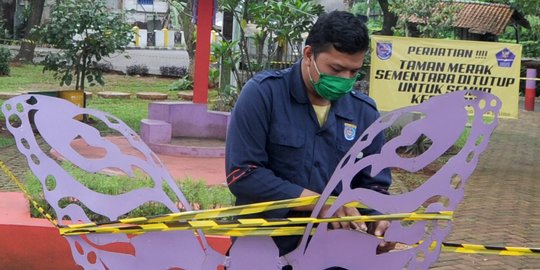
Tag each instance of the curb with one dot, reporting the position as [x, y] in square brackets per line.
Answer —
[154, 48]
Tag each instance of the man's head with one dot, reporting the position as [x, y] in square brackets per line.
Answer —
[333, 56]
[341, 30]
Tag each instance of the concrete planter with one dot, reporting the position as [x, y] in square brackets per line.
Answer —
[33, 243]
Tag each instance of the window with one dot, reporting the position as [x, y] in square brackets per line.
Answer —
[145, 2]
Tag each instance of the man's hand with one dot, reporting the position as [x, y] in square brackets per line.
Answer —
[375, 228]
[378, 229]
[344, 211]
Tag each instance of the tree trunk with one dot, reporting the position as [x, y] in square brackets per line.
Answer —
[389, 19]
[259, 47]
[26, 53]
[227, 32]
[227, 25]
[8, 14]
[189, 29]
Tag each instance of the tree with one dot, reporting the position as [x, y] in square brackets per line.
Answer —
[530, 36]
[279, 26]
[182, 14]
[289, 20]
[26, 53]
[381, 6]
[85, 32]
[526, 7]
[7, 8]
[433, 18]
[389, 19]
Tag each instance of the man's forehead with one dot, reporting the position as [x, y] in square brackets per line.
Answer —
[343, 60]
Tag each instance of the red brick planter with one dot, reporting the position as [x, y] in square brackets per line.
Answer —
[33, 243]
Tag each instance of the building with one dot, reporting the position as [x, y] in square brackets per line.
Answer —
[476, 20]
[147, 14]
[486, 21]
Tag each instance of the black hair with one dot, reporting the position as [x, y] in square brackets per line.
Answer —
[345, 31]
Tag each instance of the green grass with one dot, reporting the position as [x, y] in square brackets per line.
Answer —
[6, 141]
[196, 191]
[463, 138]
[124, 83]
[30, 78]
[130, 111]
[27, 78]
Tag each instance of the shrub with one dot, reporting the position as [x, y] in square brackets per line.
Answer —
[530, 48]
[227, 97]
[206, 197]
[137, 70]
[104, 67]
[421, 145]
[392, 132]
[213, 77]
[173, 71]
[196, 192]
[5, 56]
[182, 84]
[417, 148]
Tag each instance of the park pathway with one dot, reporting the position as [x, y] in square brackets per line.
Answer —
[502, 199]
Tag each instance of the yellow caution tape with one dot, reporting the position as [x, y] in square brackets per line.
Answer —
[36, 205]
[19, 40]
[256, 226]
[254, 223]
[535, 79]
[487, 249]
[263, 231]
[282, 62]
[220, 212]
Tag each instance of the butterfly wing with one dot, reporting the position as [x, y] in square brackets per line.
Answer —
[444, 119]
[55, 121]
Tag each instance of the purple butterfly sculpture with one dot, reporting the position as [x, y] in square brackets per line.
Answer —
[444, 119]
[54, 119]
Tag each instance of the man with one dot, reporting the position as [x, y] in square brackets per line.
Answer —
[290, 128]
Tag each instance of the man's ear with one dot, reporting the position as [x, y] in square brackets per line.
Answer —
[308, 54]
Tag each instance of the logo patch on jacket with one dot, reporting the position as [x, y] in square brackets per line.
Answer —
[349, 130]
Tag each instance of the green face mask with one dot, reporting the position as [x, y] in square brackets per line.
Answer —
[332, 87]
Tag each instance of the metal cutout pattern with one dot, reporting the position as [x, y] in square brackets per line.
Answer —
[444, 119]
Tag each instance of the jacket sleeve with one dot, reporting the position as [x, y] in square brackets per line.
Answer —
[246, 158]
[380, 182]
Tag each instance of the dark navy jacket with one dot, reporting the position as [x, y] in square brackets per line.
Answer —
[275, 146]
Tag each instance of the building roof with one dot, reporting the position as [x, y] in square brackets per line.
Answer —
[482, 18]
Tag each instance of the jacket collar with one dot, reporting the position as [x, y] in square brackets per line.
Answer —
[343, 107]
[297, 85]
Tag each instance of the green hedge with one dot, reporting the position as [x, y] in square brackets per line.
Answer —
[197, 193]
